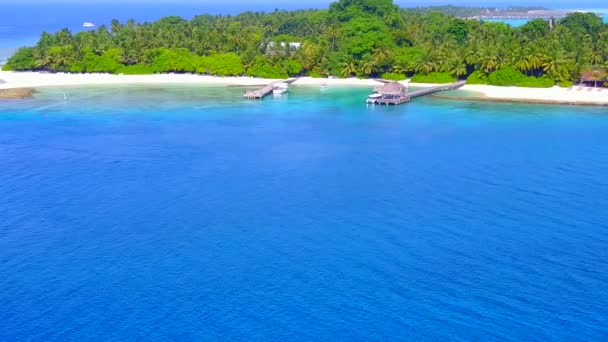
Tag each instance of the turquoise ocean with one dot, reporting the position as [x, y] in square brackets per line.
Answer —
[131, 213]
[188, 214]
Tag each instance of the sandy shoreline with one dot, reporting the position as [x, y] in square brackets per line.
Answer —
[556, 95]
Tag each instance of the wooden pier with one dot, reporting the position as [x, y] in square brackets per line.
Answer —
[394, 93]
[265, 90]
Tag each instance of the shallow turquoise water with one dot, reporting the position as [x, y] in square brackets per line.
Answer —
[142, 213]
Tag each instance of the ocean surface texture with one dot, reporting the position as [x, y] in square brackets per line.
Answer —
[188, 214]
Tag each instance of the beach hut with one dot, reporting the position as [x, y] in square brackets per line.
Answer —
[593, 77]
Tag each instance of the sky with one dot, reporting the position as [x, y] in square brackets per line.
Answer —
[324, 3]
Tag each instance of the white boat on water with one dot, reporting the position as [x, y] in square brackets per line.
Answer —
[88, 24]
[280, 88]
[373, 98]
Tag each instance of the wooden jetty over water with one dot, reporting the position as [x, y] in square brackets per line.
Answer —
[265, 90]
[395, 93]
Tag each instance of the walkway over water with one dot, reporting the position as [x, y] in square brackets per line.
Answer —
[407, 96]
[265, 90]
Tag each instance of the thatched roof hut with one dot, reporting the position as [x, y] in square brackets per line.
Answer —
[594, 76]
[392, 88]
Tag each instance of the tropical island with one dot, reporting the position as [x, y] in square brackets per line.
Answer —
[363, 39]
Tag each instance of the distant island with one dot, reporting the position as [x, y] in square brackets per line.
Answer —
[352, 38]
[470, 11]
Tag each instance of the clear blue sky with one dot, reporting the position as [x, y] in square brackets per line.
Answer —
[322, 3]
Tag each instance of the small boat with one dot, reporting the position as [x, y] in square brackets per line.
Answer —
[323, 85]
[280, 88]
[88, 24]
[373, 98]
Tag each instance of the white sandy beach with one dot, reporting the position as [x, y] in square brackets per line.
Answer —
[40, 79]
[11, 80]
[576, 95]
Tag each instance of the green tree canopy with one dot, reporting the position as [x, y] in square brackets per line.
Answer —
[366, 38]
[346, 10]
[588, 23]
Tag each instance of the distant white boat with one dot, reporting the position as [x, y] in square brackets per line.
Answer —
[280, 88]
[88, 24]
[323, 85]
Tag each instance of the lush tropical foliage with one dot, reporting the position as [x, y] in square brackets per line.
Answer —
[433, 77]
[363, 38]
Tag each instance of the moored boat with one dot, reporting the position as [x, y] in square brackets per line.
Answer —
[373, 98]
[280, 88]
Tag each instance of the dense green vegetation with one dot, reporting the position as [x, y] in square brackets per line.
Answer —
[433, 77]
[393, 76]
[362, 38]
[511, 77]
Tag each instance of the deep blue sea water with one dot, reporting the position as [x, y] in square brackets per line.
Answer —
[188, 214]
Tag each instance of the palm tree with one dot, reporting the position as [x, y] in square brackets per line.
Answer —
[368, 67]
[308, 55]
[458, 69]
[63, 37]
[115, 27]
[43, 61]
[522, 64]
[382, 58]
[596, 58]
[392, 19]
[447, 58]
[348, 69]
[555, 65]
[400, 69]
[535, 61]
[309, 50]
[426, 64]
[489, 62]
[471, 56]
[333, 32]
[381, 55]
[129, 57]
[426, 67]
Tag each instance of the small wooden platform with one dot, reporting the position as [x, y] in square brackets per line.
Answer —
[265, 90]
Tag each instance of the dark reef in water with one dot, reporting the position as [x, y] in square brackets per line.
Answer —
[16, 94]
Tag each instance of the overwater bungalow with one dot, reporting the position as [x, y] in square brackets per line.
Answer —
[392, 93]
[396, 93]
